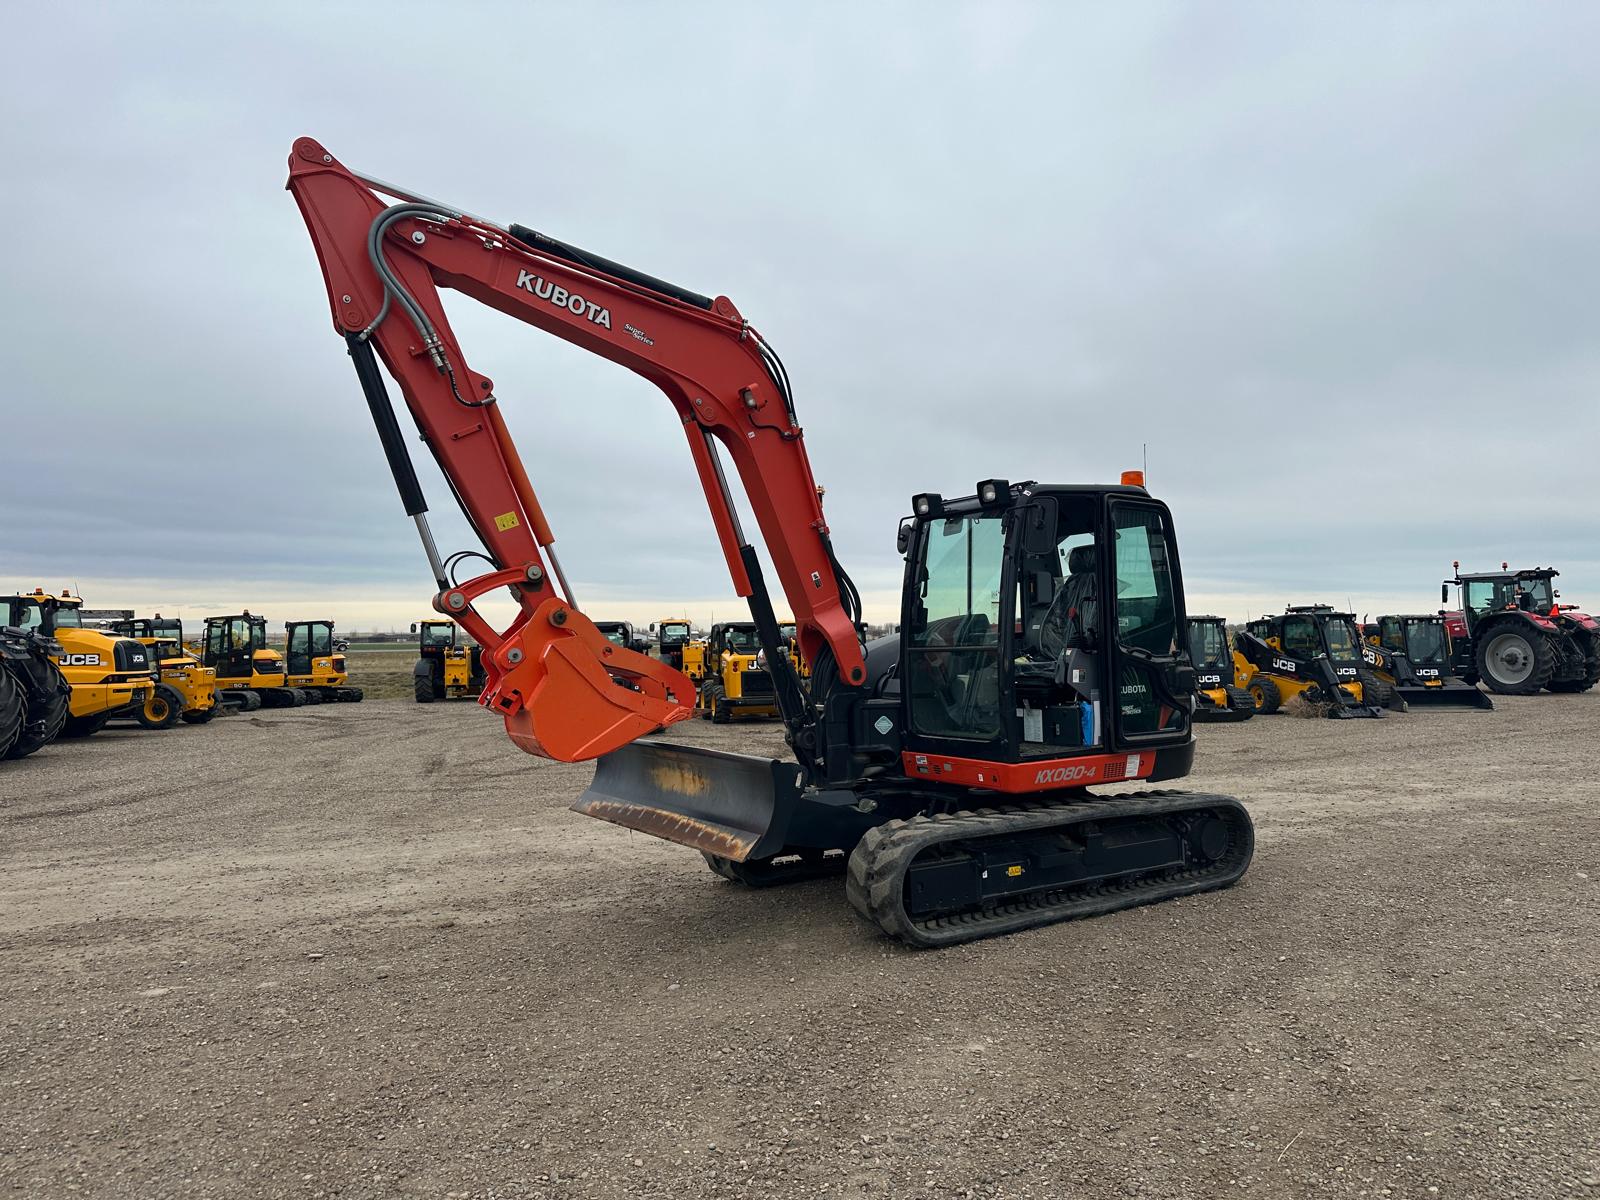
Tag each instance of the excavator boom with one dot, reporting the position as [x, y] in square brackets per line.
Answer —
[551, 674]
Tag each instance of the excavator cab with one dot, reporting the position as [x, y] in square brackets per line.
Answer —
[1008, 651]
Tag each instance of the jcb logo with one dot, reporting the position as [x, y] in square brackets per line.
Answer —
[1428, 672]
[1209, 680]
[1284, 665]
[1371, 655]
[1347, 672]
[80, 660]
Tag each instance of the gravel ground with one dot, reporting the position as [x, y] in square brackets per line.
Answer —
[366, 951]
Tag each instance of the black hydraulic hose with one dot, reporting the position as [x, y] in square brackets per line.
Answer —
[546, 244]
[383, 419]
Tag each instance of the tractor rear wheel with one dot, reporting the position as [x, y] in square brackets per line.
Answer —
[1265, 693]
[13, 710]
[1514, 661]
[422, 689]
[162, 708]
[56, 710]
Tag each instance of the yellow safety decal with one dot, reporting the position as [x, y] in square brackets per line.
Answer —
[506, 521]
[1013, 871]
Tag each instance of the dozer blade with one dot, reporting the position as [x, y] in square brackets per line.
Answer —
[1349, 712]
[734, 806]
[1213, 715]
[1451, 695]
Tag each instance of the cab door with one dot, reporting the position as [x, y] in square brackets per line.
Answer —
[297, 650]
[1146, 617]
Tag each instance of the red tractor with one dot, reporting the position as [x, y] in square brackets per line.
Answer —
[1511, 633]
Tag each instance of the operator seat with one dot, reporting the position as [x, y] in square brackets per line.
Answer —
[1083, 593]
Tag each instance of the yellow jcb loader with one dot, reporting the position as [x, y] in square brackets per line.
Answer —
[445, 668]
[732, 682]
[187, 688]
[109, 675]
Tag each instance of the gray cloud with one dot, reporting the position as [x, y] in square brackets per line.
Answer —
[1329, 263]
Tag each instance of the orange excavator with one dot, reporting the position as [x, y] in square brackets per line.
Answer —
[945, 771]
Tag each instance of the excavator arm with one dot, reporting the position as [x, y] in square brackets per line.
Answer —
[564, 690]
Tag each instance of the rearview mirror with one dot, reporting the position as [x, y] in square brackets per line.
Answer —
[1039, 527]
[413, 627]
[1444, 593]
[902, 537]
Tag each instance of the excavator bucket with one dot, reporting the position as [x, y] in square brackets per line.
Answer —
[734, 806]
[567, 693]
[1451, 694]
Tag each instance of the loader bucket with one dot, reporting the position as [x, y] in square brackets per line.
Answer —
[734, 806]
[1454, 694]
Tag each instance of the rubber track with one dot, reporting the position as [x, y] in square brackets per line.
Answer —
[876, 882]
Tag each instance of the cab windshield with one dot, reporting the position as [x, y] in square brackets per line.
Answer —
[742, 640]
[1208, 642]
[441, 633]
[68, 616]
[1341, 635]
[617, 636]
[674, 632]
[321, 640]
[1426, 643]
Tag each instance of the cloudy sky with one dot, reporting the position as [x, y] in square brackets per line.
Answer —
[1335, 265]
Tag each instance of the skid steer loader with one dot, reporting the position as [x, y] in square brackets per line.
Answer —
[733, 682]
[315, 665]
[1313, 652]
[187, 689]
[35, 697]
[1218, 694]
[109, 675]
[1412, 654]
